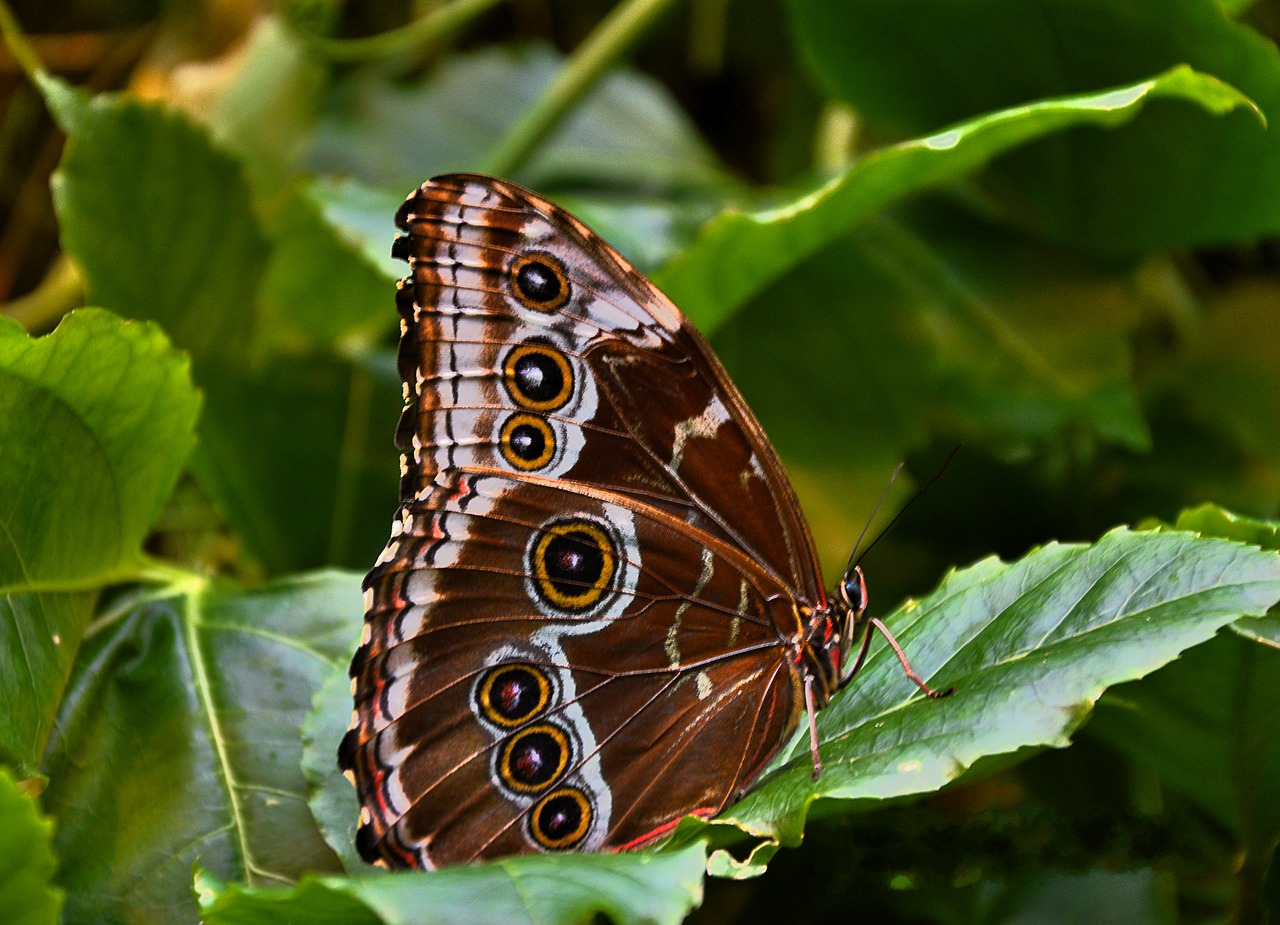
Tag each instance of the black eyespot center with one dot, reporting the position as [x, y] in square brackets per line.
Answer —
[534, 758]
[575, 562]
[539, 282]
[511, 694]
[561, 819]
[538, 377]
[527, 442]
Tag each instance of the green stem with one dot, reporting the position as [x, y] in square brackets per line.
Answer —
[615, 34]
[59, 292]
[23, 53]
[431, 28]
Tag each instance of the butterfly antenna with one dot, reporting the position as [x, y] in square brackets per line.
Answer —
[854, 558]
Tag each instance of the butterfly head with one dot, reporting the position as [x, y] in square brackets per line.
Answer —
[853, 595]
[832, 632]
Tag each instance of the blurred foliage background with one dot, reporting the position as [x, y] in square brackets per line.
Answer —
[1092, 314]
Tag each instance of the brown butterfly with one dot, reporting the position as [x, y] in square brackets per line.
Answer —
[600, 608]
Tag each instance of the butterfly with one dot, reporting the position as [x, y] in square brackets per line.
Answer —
[600, 608]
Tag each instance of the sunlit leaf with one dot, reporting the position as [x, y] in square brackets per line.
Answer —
[1029, 646]
[739, 253]
[95, 421]
[26, 859]
[644, 889]
[911, 67]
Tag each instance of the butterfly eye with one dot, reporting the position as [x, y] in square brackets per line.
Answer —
[854, 590]
[538, 377]
[560, 820]
[540, 282]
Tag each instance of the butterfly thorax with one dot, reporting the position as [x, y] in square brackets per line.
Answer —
[824, 648]
[831, 632]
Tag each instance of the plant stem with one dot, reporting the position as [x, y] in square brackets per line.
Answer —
[615, 34]
[430, 28]
[23, 53]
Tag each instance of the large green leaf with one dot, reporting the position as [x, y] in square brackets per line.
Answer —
[1207, 723]
[286, 448]
[739, 253]
[267, 108]
[161, 225]
[1174, 178]
[653, 889]
[179, 741]
[26, 859]
[96, 420]
[1030, 646]
[627, 130]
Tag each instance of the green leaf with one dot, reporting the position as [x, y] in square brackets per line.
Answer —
[160, 223]
[333, 801]
[930, 322]
[1206, 725]
[739, 253]
[267, 109]
[321, 286]
[301, 456]
[362, 216]
[96, 420]
[627, 131]
[1212, 520]
[1172, 179]
[286, 448]
[179, 741]
[544, 889]
[1030, 646]
[26, 859]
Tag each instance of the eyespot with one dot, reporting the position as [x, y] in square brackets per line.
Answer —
[540, 282]
[538, 377]
[573, 563]
[560, 819]
[533, 758]
[509, 695]
[527, 442]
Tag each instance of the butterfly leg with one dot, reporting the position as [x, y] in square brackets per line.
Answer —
[857, 662]
[811, 707]
[906, 665]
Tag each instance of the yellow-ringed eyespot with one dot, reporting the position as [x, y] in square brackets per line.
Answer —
[573, 564]
[534, 758]
[560, 819]
[509, 695]
[539, 282]
[527, 442]
[538, 377]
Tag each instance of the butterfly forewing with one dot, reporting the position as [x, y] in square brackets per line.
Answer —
[585, 624]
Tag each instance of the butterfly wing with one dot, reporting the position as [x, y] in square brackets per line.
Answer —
[568, 643]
